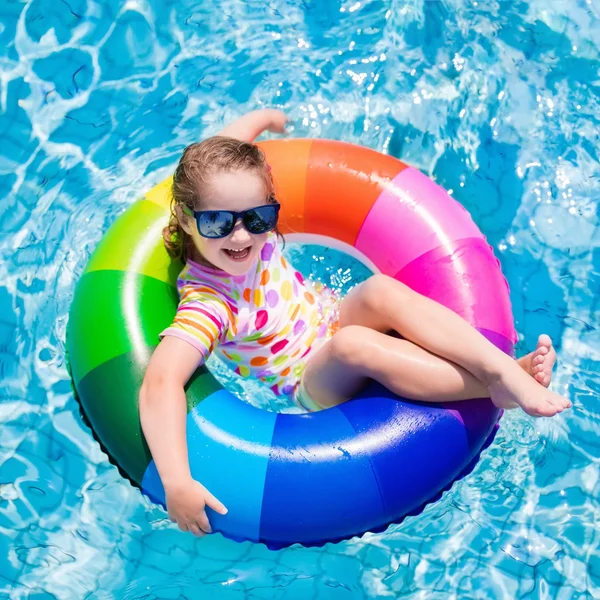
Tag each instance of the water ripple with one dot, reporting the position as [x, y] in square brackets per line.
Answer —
[498, 101]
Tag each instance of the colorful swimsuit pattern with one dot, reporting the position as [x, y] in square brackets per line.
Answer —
[265, 324]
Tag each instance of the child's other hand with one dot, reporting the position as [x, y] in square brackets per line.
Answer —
[186, 505]
[278, 120]
[252, 124]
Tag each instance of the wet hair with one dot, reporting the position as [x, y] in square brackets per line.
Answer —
[197, 165]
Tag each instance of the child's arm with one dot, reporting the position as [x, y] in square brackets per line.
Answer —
[250, 126]
[163, 417]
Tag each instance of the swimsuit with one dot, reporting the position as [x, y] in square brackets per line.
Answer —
[265, 324]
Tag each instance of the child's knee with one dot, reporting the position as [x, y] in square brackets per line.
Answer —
[348, 345]
[379, 290]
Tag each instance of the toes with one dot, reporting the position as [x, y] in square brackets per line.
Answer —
[541, 352]
[544, 341]
[561, 402]
[556, 402]
[547, 410]
[554, 405]
[550, 405]
[554, 409]
[538, 360]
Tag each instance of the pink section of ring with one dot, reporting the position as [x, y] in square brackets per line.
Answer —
[465, 277]
[412, 216]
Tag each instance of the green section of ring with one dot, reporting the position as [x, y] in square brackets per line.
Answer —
[115, 312]
[109, 397]
[134, 243]
[126, 296]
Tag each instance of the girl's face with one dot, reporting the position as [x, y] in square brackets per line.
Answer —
[237, 191]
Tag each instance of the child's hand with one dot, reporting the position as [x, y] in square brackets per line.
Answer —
[278, 120]
[186, 504]
[251, 125]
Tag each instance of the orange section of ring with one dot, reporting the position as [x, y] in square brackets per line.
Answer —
[288, 160]
[342, 184]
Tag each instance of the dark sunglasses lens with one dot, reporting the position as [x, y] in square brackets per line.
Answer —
[215, 223]
[262, 219]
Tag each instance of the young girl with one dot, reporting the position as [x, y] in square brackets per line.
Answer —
[240, 298]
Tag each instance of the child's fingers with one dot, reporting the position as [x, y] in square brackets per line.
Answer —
[196, 530]
[278, 128]
[288, 126]
[279, 121]
[203, 523]
[215, 504]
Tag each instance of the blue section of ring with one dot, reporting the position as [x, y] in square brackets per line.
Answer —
[415, 449]
[228, 446]
[320, 485]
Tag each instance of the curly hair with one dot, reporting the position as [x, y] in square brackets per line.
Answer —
[197, 164]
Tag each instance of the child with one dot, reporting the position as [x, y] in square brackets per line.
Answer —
[240, 297]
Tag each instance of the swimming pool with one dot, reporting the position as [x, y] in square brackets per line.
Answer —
[497, 101]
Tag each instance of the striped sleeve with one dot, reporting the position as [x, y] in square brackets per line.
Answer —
[203, 319]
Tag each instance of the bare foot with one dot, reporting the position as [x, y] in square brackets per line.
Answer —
[519, 389]
[540, 362]
[525, 387]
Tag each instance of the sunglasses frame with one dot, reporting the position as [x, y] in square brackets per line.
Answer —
[236, 217]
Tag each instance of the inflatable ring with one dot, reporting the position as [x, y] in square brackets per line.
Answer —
[291, 478]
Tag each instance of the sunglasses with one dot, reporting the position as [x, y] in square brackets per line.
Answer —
[217, 224]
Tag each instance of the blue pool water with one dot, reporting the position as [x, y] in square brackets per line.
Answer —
[499, 101]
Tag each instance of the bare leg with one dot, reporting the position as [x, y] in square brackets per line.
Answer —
[356, 354]
[382, 303]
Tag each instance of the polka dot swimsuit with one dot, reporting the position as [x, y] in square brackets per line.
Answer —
[265, 324]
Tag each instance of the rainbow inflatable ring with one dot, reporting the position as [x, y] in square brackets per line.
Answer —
[297, 478]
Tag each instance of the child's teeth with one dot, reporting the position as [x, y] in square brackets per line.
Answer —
[232, 252]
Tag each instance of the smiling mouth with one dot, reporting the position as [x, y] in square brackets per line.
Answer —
[238, 255]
